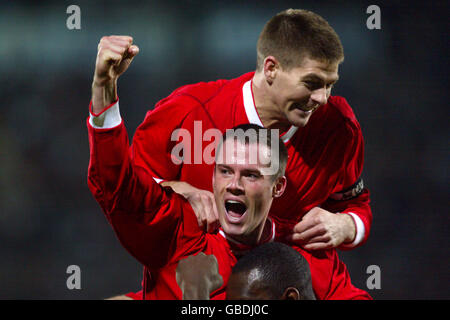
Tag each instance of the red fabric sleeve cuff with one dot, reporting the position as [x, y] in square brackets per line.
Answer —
[104, 109]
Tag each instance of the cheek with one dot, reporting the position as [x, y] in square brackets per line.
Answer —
[261, 202]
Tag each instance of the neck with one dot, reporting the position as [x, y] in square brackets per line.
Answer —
[258, 236]
[269, 112]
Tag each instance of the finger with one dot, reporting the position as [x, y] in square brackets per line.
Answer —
[294, 237]
[213, 222]
[315, 231]
[324, 238]
[110, 56]
[128, 57]
[318, 246]
[133, 51]
[208, 212]
[201, 220]
[114, 48]
[199, 213]
[115, 42]
[128, 39]
[121, 40]
[106, 41]
[304, 225]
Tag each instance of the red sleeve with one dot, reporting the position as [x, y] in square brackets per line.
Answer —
[341, 287]
[330, 277]
[152, 223]
[348, 195]
[156, 137]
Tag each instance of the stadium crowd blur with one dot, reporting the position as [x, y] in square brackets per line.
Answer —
[396, 80]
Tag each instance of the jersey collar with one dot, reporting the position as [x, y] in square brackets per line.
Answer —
[240, 248]
[252, 113]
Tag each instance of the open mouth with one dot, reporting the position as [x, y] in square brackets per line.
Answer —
[235, 210]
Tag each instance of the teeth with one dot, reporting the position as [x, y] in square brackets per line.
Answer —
[232, 201]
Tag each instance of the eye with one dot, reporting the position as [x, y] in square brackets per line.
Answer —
[312, 85]
[252, 176]
[309, 85]
[225, 171]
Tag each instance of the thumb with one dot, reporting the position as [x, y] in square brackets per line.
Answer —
[133, 50]
[127, 58]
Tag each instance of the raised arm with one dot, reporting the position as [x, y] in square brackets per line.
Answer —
[114, 56]
[144, 217]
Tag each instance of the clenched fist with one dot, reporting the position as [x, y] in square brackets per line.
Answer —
[114, 56]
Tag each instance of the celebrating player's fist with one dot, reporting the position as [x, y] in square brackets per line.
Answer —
[115, 54]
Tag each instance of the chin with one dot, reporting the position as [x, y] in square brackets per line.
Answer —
[299, 120]
[232, 230]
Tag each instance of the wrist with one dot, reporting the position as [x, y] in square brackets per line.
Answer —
[103, 94]
[350, 228]
[103, 81]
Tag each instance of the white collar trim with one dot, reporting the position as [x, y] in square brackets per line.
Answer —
[272, 238]
[252, 114]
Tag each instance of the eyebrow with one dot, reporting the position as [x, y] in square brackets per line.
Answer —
[222, 165]
[244, 171]
[316, 77]
[253, 171]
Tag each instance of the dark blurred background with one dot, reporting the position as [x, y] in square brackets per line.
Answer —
[396, 80]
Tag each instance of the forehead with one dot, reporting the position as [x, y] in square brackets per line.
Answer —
[234, 151]
[246, 285]
[317, 69]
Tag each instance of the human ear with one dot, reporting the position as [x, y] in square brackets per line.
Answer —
[279, 187]
[270, 69]
[290, 293]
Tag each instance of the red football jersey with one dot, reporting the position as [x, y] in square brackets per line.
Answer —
[159, 228]
[325, 157]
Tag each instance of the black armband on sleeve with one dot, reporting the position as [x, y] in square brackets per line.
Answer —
[349, 193]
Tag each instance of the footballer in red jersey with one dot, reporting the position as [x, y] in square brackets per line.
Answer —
[159, 228]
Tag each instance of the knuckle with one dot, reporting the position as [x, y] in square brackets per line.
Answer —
[195, 197]
[298, 236]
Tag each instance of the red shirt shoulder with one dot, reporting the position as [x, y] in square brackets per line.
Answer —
[342, 107]
[203, 92]
[336, 116]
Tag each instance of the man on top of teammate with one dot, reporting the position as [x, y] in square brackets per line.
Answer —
[325, 205]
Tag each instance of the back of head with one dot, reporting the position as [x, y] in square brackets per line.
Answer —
[292, 35]
[277, 267]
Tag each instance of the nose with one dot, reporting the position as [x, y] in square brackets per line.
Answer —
[320, 96]
[235, 186]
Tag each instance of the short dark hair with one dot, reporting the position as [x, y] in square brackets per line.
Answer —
[253, 132]
[293, 34]
[280, 267]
